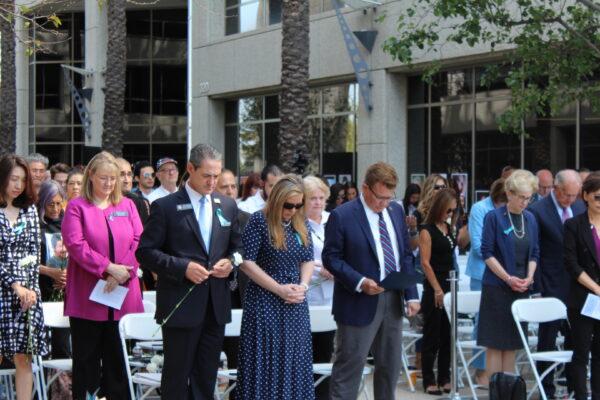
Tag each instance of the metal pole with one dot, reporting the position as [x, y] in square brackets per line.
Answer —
[190, 58]
[454, 395]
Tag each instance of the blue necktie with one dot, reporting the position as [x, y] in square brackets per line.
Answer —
[389, 261]
[204, 222]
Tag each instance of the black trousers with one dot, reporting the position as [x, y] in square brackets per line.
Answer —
[547, 335]
[98, 361]
[436, 339]
[192, 359]
[322, 353]
[586, 339]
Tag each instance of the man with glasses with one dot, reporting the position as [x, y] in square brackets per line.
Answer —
[365, 240]
[167, 174]
[552, 278]
[38, 165]
[143, 175]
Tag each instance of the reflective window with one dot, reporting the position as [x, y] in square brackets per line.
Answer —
[248, 15]
[589, 139]
[451, 128]
[252, 132]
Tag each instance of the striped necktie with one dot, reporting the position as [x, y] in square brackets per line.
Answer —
[389, 260]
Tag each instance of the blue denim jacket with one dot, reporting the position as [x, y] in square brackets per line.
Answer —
[475, 262]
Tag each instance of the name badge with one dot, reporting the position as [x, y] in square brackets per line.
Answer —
[222, 220]
[184, 207]
[117, 214]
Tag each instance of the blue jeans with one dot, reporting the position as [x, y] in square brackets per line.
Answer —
[479, 362]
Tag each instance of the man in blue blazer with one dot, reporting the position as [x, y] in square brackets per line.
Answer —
[365, 239]
[552, 278]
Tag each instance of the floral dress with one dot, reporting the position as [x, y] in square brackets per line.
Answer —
[21, 332]
[275, 359]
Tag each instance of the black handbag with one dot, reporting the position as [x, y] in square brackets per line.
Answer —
[505, 386]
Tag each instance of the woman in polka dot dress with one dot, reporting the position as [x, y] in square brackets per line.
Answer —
[275, 360]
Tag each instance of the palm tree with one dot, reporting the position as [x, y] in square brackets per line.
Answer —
[8, 88]
[114, 100]
[293, 110]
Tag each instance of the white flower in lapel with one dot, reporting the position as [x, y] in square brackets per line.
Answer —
[216, 200]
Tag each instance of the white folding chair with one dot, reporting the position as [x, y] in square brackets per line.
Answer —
[54, 318]
[321, 320]
[232, 329]
[7, 375]
[149, 306]
[466, 303]
[540, 310]
[149, 295]
[143, 327]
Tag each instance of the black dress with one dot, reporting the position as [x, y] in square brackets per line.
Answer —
[436, 328]
[497, 329]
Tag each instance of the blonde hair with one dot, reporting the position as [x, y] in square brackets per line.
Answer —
[428, 193]
[101, 160]
[312, 184]
[288, 185]
[520, 181]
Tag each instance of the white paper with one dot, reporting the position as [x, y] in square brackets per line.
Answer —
[591, 308]
[113, 299]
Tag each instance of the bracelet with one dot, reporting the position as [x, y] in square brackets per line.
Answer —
[304, 285]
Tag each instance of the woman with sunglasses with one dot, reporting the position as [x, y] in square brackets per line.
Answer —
[510, 248]
[582, 261]
[275, 358]
[337, 197]
[437, 242]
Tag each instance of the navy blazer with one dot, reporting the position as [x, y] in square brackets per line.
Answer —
[497, 241]
[171, 239]
[551, 276]
[350, 254]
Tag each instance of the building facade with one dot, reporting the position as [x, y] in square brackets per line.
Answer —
[446, 127]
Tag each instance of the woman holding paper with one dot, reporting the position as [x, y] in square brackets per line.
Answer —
[101, 230]
[437, 241]
[582, 260]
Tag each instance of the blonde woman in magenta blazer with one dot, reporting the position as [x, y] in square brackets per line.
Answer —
[94, 327]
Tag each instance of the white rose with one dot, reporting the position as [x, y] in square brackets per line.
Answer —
[237, 259]
[153, 368]
[157, 360]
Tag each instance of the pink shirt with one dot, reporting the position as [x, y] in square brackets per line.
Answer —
[85, 234]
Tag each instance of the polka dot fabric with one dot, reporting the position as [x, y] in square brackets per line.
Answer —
[275, 360]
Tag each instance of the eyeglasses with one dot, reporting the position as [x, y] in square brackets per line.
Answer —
[382, 198]
[439, 187]
[289, 206]
[148, 175]
[523, 199]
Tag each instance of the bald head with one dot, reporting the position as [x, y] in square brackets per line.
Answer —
[567, 186]
[545, 179]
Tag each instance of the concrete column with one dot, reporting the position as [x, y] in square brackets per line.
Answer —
[96, 37]
[208, 125]
[382, 133]
[22, 85]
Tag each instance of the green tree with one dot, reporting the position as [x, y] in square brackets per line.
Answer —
[552, 47]
[294, 103]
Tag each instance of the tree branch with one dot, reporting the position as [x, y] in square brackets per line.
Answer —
[590, 4]
[591, 45]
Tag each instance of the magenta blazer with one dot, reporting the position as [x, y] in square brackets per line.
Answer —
[85, 234]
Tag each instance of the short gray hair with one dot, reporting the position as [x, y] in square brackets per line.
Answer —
[566, 176]
[37, 157]
[521, 181]
[203, 151]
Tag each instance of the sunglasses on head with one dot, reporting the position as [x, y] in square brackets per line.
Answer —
[439, 187]
[289, 206]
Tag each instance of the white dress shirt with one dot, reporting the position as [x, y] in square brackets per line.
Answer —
[373, 219]
[559, 208]
[158, 193]
[195, 201]
[253, 203]
[321, 295]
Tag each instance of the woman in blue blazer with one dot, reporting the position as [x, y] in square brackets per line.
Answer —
[509, 246]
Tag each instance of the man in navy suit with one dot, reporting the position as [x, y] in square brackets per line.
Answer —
[552, 278]
[365, 239]
[188, 241]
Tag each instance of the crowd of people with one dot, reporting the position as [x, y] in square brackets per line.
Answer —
[274, 246]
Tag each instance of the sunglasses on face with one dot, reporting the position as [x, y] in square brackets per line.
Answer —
[148, 175]
[439, 187]
[289, 206]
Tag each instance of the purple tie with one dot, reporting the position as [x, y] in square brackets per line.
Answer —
[389, 260]
[565, 214]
